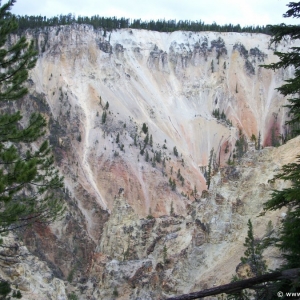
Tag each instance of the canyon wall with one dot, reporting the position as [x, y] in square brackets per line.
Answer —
[140, 222]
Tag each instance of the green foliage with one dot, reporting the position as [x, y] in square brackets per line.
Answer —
[275, 138]
[221, 116]
[5, 289]
[208, 176]
[226, 148]
[106, 106]
[157, 156]
[146, 140]
[254, 258]
[154, 161]
[118, 138]
[151, 141]
[145, 128]
[165, 254]
[111, 23]
[195, 191]
[253, 254]
[147, 156]
[28, 178]
[71, 275]
[72, 296]
[142, 151]
[287, 59]
[115, 292]
[241, 295]
[241, 145]
[172, 184]
[289, 198]
[212, 66]
[104, 117]
[175, 151]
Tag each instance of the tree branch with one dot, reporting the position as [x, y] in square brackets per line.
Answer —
[240, 285]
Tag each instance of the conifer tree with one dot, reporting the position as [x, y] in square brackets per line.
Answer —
[151, 140]
[209, 168]
[145, 128]
[289, 198]
[103, 117]
[175, 151]
[146, 140]
[28, 178]
[253, 253]
[147, 156]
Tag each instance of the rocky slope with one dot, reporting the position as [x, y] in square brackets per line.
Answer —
[172, 83]
[140, 227]
[154, 258]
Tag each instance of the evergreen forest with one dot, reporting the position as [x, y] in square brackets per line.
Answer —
[112, 23]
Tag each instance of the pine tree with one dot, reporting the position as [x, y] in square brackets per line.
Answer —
[173, 185]
[147, 156]
[103, 117]
[289, 237]
[175, 151]
[145, 128]
[146, 140]
[209, 168]
[254, 258]
[134, 141]
[151, 140]
[253, 254]
[28, 178]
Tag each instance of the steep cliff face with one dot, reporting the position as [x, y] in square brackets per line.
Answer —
[170, 81]
[132, 222]
[154, 258]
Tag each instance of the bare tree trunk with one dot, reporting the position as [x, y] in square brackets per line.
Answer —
[240, 285]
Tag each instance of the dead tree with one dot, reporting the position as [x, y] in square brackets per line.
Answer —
[240, 285]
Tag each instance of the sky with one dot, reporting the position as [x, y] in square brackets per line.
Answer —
[243, 12]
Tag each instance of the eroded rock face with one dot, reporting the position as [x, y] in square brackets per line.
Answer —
[30, 275]
[154, 258]
[154, 240]
[170, 81]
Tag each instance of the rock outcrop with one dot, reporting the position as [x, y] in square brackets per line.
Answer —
[163, 234]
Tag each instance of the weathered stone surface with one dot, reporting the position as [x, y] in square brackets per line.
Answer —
[171, 82]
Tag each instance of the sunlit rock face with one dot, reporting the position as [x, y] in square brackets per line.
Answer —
[172, 82]
[97, 92]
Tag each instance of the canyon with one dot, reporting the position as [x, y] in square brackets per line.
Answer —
[133, 126]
